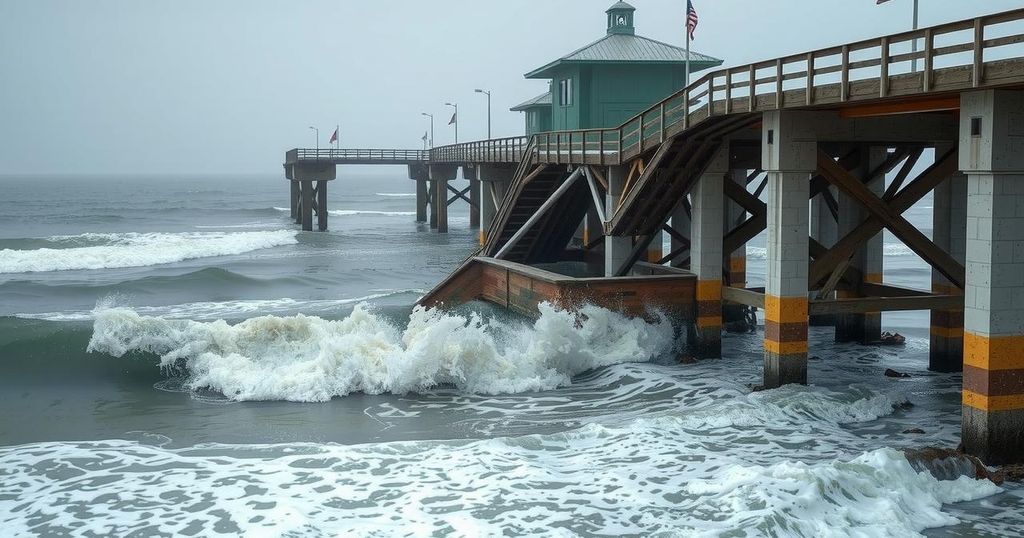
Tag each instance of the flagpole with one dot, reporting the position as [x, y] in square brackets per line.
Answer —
[687, 57]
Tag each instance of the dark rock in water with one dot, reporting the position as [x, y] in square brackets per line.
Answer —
[889, 372]
[1010, 473]
[687, 359]
[947, 464]
[758, 388]
[914, 430]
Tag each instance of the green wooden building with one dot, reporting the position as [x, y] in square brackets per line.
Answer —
[610, 80]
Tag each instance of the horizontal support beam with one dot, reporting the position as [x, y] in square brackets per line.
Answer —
[885, 304]
[743, 296]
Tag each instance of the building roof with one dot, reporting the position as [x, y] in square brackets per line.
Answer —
[621, 5]
[543, 99]
[624, 48]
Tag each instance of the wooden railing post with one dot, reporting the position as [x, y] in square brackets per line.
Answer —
[844, 84]
[810, 78]
[979, 51]
[661, 113]
[728, 91]
[686, 109]
[778, 83]
[752, 78]
[883, 77]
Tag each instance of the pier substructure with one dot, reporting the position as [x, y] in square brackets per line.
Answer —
[681, 238]
[493, 183]
[420, 174]
[949, 231]
[616, 248]
[440, 175]
[736, 261]
[310, 182]
[706, 253]
[472, 174]
[593, 230]
[655, 248]
[788, 154]
[991, 139]
[865, 328]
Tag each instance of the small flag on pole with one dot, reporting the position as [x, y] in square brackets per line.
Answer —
[425, 137]
[880, 2]
[691, 19]
[334, 137]
[452, 122]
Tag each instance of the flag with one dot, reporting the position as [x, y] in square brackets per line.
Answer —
[334, 137]
[880, 2]
[453, 119]
[691, 19]
[425, 137]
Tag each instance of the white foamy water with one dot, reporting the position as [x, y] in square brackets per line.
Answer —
[653, 477]
[397, 194]
[108, 251]
[303, 358]
[212, 311]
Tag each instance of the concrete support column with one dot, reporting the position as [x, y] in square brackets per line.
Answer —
[991, 138]
[440, 175]
[306, 216]
[863, 328]
[789, 156]
[616, 249]
[593, 228]
[420, 174]
[321, 205]
[472, 174]
[432, 202]
[681, 224]
[949, 231]
[736, 263]
[706, 254]
[493, 184]
[294, 185]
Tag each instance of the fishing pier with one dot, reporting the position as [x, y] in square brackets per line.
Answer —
[823, 150]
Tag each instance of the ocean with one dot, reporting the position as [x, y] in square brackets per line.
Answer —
[178, 359]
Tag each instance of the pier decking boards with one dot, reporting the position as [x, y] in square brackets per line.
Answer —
[815, 135]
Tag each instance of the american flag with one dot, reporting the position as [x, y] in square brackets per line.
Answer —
[691, 19]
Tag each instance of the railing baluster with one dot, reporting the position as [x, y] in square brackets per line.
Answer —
[778, 83]
[661, 113]
[844, 84]
[752, 77]
[979, 53]
[810, 78]
[883, 77]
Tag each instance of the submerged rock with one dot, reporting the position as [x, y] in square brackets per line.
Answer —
[914, 430]
[889, 372]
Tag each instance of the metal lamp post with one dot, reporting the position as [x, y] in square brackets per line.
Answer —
[456, 107]
[431, 116]
[488, 110]
[317, 140]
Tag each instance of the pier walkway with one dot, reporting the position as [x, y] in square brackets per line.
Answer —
[819, 149]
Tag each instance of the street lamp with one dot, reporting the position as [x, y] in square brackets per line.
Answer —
[317, 140]
[455, 120]
[488, 110]
[431, 116]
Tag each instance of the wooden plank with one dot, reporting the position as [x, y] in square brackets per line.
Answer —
[977, 69]
[892, 219]
[884, 304]
[901, 176]
[743, 296]
[869, 289]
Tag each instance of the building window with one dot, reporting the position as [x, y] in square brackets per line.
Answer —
[565, 92]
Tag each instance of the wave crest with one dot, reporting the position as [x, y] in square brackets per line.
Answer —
[303, 358]
[137, 250]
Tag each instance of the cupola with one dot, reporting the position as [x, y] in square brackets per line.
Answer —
[620, 19]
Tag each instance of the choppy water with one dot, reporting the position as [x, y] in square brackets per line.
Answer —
[184, 361]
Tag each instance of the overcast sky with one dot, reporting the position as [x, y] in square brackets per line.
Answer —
[226, 86]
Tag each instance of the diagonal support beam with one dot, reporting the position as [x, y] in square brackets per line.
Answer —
[460, 194]
[888, 216]
[541, 211]
[638, 250]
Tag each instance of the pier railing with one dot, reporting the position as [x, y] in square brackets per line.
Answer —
[500, 150]
[984, 52]
[367, 156]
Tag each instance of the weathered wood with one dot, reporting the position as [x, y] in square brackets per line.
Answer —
[885, 304]
[743, 296]
[541, 211]
[869, 289]
[891, 218]
[901, 176]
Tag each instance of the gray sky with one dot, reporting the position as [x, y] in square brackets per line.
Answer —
[226, 86]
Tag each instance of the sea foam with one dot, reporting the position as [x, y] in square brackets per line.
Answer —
[303, 358]
[108, 251]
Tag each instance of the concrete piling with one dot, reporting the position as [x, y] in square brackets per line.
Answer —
[706, 254]
[789, 156]
[993, 391]
[616, 248]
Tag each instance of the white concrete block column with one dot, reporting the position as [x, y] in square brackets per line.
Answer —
[616, 249]
[706, 255]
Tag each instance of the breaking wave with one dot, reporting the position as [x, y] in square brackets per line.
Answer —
[304, 358]
[108, 251]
